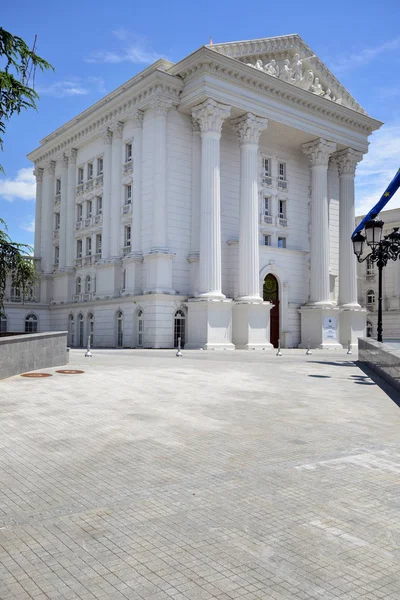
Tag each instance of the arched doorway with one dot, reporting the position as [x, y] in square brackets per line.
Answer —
[271, 294]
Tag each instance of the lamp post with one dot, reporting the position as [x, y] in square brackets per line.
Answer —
[382, 250]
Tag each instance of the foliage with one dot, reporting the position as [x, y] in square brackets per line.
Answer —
[18, 64]
[16, 264]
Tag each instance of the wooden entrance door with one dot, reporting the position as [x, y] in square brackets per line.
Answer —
[271, 294]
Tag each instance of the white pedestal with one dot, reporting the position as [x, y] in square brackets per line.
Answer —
[108, 279]
[63, 286]
[320, 326]
[251, 326]
[159, 273]
[209, 324]
[133, 274]
[352, 326]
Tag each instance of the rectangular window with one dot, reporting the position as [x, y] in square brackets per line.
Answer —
[99, 205]
[90, 171]
[88, 246]
[56, 255]
[267, 240]
[282, 209]
[267, 207]
[99, 166]
[89, 206]
[58, 187]
[56, 221]
[127, 236]
[98, 243]
[128, 152]
[79, 211]
[282, 171]
[79, 249]
[128, 194]
[266, 167]
[281, 242]
[80, 175]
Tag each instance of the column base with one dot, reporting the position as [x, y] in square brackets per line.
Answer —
[251, 325]
[352, 326]
[320, 327]
[209, 324]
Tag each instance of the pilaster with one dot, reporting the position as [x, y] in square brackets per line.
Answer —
[107, 136]
[38, 172]
[47, 217]
[63, 212]
[116, 191]
[70, 208]
[194, 254]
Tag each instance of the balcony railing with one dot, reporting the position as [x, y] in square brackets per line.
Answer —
[79, 189]
[56, 234]
[88, 221]
[79, 224]
[57, 200]
[370, 275]
[78, 262]
[282, 221]
[370, 306]
[127, 167]
[267, 219]
[89, 185]
[98, 219]
[266, 181]
[126, 250]
[88, 259]
[127, 208]
[87, 296]
[98, 182]
[18, 298]
[282, 184]
[97, 257]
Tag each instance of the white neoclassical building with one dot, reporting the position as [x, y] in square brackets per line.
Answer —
[211, 200]
[368, 286]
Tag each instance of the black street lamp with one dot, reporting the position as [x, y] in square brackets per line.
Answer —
[382, 250]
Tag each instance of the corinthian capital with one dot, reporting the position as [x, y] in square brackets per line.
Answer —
[318, 151]
[50, 167]
[136, 116]
[210, 115]
[117, 129]
[38, 173]
[347, 160]
[72, 154]
[64, 161]
[107, 135]
[249, 128]
[161, 105]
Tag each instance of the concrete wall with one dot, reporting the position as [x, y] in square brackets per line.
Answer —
[22, 353]
[383, 360]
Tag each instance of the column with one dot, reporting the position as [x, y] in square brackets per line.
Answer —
[71, 211]
[137, 118]
[38, 172]
[160, 107]
[347, 162]
[105, 239]
[210, 115]
[194, 254]
[318, 153]
[47, 222]
[249, 128]
[116, 179]
[63, 212]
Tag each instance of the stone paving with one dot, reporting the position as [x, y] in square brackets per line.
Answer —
[218, 475]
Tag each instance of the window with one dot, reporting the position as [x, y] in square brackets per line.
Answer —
[140, 329]
[15, 294]
[78, 285]
[58, 187]
[90, 319]
[71, 330]
[79, 249]
[80, 175]
[88, 284]
[267, 206]
[99, 205]
[100, 166]
[98, 243]
[89, 206]
[370, 298]
[56, 221]
[266, 167]
[282, 209]
[90, 171]
[370, 267]
[128, 152]
[56, 255]
[31, 324]
[179, 328]
[282, 171]
[80, 330]
[281, 242]
[128, 194]
[127, 236]
[3, 323]
[79, 212]
[123, 280]
[120, 329]
[267, 240]
[88, 246]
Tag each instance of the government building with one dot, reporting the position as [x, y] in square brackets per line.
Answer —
[210, 200]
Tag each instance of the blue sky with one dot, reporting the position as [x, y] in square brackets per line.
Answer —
[95, 49]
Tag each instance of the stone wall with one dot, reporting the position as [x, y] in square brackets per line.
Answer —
[384, 361]
[29, 352]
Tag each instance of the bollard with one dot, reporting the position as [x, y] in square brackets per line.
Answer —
[179, 353]
[308, 348]
[349, 347]
[88, 354]
[279, 353]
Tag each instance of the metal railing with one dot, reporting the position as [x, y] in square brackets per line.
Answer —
[282, 184]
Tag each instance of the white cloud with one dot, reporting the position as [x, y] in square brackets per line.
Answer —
[73, 86]
[364, 57]
[30, 226]
[22, 187]
[134, 49]
[378, 168]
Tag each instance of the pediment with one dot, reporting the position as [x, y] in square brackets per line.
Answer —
[288, 58]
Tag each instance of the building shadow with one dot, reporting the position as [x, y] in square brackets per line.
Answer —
[384, 385]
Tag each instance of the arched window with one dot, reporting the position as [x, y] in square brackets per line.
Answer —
[179, 328]
[31, 324]
[140, 327]
[80, 330]
[369, 329]
[88, 284]
[370, 299]
[120, 329]
[90, 327]
[3, 323]
[78, 285]
[71, 330]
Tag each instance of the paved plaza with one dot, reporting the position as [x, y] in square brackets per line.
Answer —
[227, 475]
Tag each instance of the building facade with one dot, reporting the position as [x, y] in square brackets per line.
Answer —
[211, 200]
[368, 286]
